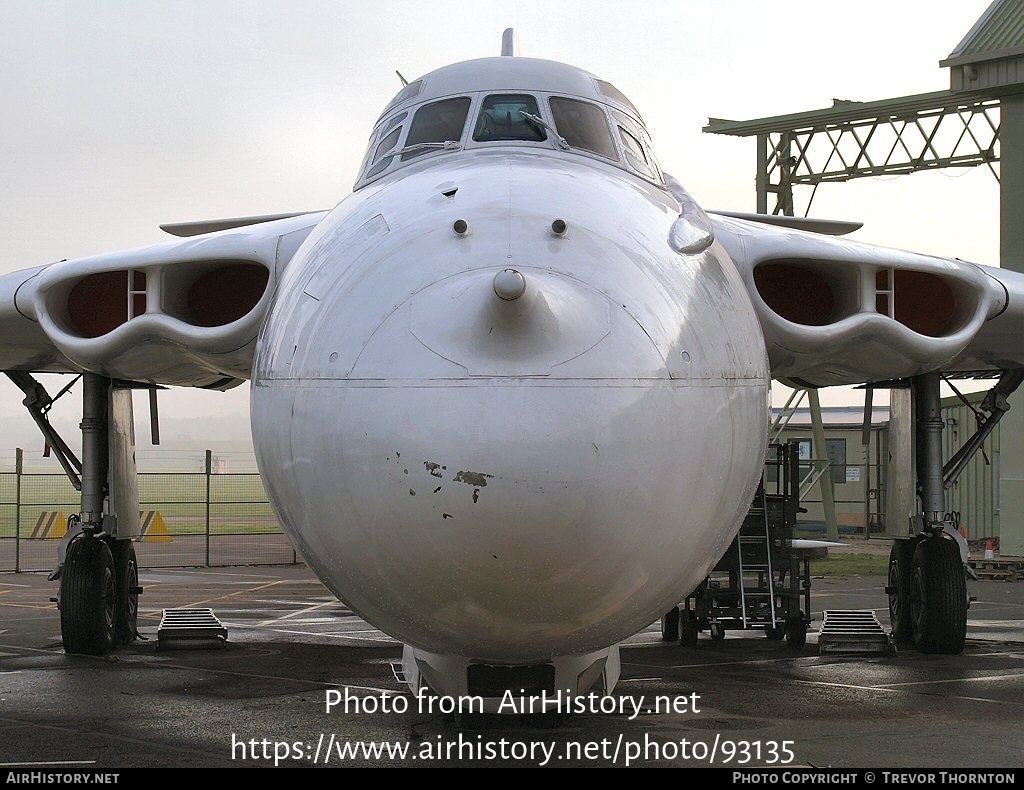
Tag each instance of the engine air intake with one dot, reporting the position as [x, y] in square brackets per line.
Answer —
[99, 303]
[225, 294]
[922, 302]
[796, 293]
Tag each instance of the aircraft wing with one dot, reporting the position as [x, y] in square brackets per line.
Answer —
[186, 312]
[836, 311]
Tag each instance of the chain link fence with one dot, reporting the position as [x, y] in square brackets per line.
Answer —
[208, 517]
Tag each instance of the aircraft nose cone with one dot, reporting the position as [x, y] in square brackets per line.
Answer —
[509, 285]
[493, 445]
[538, 322]
[502, 479]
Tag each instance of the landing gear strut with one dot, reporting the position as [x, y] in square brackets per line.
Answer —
[927, 584]
[96, 563]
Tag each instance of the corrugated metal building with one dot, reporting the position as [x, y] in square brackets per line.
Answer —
[988, 496]
[975, 495]
[857, 471]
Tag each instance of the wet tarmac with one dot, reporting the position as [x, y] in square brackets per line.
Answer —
[262, 699]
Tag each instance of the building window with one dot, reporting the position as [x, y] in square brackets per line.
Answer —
[836, 451]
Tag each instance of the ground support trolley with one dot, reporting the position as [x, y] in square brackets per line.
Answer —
[762, 582]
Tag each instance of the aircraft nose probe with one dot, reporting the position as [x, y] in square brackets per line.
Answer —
[509, 285]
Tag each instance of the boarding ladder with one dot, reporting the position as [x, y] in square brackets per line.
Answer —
[781, 421]
[756, 580]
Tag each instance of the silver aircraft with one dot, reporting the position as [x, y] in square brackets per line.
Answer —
[509, 397]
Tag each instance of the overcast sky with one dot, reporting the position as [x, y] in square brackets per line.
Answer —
[122, 114]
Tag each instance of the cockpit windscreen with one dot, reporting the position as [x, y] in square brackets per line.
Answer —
[504, 116]
[439, 122]
[584, 126]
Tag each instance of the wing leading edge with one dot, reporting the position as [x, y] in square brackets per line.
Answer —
[835, 311]
[832, 311]
[180, 313]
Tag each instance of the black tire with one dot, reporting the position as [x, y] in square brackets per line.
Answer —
[688, 633]
[670, 625]
[901, 557]
[938, 597]
[775, 632]
[796, 632]
[126, 576]
[717, 632]
[88, 598]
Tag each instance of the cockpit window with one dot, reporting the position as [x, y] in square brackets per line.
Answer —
[583, 125]
[637, 145]
[381, 159]
[437, 123]
[410, 90]
[394, 122]
[635, 153]
[502, 118]
[615, 94]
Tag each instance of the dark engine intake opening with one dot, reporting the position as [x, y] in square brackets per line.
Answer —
[98, 303]
[226, 294]
[922, 302]
[797, 294]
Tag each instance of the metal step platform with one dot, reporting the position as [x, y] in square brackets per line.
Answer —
[189, 628]
[760, 583]
[853, 631]
[1005, 570]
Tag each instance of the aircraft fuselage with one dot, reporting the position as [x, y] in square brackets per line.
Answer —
[509, 480]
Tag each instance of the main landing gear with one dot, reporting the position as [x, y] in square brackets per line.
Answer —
[96, 564]
[928, 594]
[99, 595]
[927, 583]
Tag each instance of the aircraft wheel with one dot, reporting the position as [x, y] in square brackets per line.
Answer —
[126, 575]
[900, 560]
[688, 630]
[938, 597]
[796, 632]
[670, 625]
[717, 632]
[88, 598]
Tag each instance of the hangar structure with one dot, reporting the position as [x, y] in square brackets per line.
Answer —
[978, 121]
[983, 496]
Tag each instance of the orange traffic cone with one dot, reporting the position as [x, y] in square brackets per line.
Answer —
[989, 554]
[963, 534]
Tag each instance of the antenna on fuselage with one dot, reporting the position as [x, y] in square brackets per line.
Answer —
[405, 82]
[509, 43]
